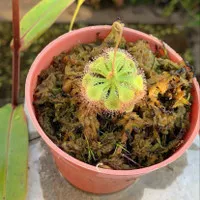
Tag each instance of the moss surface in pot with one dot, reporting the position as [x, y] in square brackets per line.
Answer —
[115, 104]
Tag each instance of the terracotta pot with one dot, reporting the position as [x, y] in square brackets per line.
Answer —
[80, 174]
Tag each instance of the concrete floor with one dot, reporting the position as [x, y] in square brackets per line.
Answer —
[178, 181]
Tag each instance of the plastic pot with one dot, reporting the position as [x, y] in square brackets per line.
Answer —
[84, 176]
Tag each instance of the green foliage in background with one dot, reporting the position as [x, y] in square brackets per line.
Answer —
[190, 7]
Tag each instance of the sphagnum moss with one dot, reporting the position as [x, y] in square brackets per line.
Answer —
[147, 134]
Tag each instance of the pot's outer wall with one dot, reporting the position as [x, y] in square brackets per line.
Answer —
[82, 175]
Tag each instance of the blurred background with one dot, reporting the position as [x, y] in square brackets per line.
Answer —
[177, 22]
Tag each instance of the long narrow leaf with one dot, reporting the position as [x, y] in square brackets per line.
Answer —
[5, 114]
[79, 4]
[13, 153]
[39, 19]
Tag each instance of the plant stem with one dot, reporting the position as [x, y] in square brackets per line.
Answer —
[115, 50]
[131, 160]
[15, 53]
[79, 4]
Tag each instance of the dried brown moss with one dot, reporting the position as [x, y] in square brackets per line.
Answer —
[148, 135]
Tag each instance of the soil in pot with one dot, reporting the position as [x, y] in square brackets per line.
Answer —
[146, 135]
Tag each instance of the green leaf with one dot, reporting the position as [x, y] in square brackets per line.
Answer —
[125, 94]
[99, 67]
[138, 82]
[95, 92]
[112, 102]
[92, 80]
[13, 153]
[98, 91]
[39, 19]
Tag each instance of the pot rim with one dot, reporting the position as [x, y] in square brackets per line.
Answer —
[61, 153]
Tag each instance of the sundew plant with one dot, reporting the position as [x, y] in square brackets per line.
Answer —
[113, 80]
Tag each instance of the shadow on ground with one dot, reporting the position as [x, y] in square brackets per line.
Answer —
[55, 187]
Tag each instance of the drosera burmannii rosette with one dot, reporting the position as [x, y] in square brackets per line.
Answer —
[113, 89]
